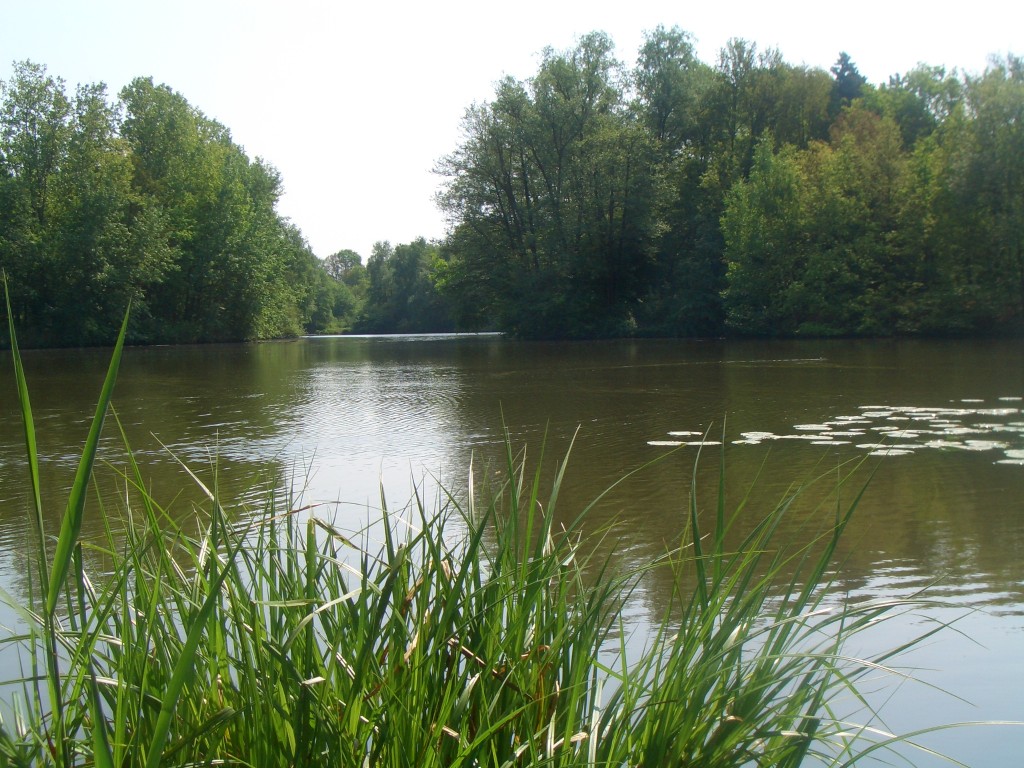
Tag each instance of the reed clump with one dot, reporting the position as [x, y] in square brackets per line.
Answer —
[460, 633]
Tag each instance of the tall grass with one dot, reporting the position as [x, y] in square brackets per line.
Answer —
[454, 633]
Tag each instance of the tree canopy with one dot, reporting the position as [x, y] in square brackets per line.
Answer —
[750, 196]
[145, 200]
[670, 197]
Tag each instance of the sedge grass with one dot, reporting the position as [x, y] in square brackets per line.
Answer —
[283, 641]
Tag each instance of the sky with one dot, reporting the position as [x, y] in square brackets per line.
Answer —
[354, 102]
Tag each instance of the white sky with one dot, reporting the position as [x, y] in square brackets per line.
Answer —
[354, 102]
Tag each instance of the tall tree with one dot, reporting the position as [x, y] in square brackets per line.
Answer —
[554, 197]
[231, 250]
[848, 84]
[77, 242]
[981, 247]
[34, 129]
[918, 101]
[340, 264]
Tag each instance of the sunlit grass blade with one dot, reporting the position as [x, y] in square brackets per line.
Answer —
[53, 678]
[102, 754]
[71, 524]
[198, 625]
[28, 424]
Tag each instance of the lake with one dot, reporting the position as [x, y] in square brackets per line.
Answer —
[938, 424]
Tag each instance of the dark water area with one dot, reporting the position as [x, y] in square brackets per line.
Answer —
[934, 428]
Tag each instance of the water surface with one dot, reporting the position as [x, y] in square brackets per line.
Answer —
[941, 424]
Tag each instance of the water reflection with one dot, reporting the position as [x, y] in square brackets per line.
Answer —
[944, 508]
[341, 416]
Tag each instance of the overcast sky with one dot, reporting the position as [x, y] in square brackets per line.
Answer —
[354, 102]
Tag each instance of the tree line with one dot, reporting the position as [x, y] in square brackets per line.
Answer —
[751, 196]
[144, 200]
[669, 198]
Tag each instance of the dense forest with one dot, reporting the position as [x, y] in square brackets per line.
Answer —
[144, 200]
[752, 197]
[672, 198]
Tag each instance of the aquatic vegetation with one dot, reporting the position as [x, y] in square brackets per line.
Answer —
[933, 429]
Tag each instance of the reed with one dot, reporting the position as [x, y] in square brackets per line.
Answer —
[465, 631]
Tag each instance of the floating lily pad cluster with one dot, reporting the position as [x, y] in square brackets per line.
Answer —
[899, 430]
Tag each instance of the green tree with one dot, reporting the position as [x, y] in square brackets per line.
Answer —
[341, 264]
[763, 227]
[233, 255]
[748, 96]
[918, 102]
[144, 200]
[811, 235]
[346, 288]
[34, 129]
[402, 293]
[554, 198]
[849, 84]
[670, 80]
[681, 293]
[76, 241]
[977, 208]
[109, 245]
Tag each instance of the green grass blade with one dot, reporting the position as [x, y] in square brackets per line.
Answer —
[71, 525]
[102, 754]
[30, 432]
[186, 660]
[49, 635]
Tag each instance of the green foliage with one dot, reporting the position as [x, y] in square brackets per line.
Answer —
[919, 101]
[75, 239]
[808, 235]
[849, 84]
[555, 193]
[142, 200]
[904, 222]
[402, 290]
[756, 197]
[477, 632]
[675, 198]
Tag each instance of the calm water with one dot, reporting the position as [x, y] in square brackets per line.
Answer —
[942, 424]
